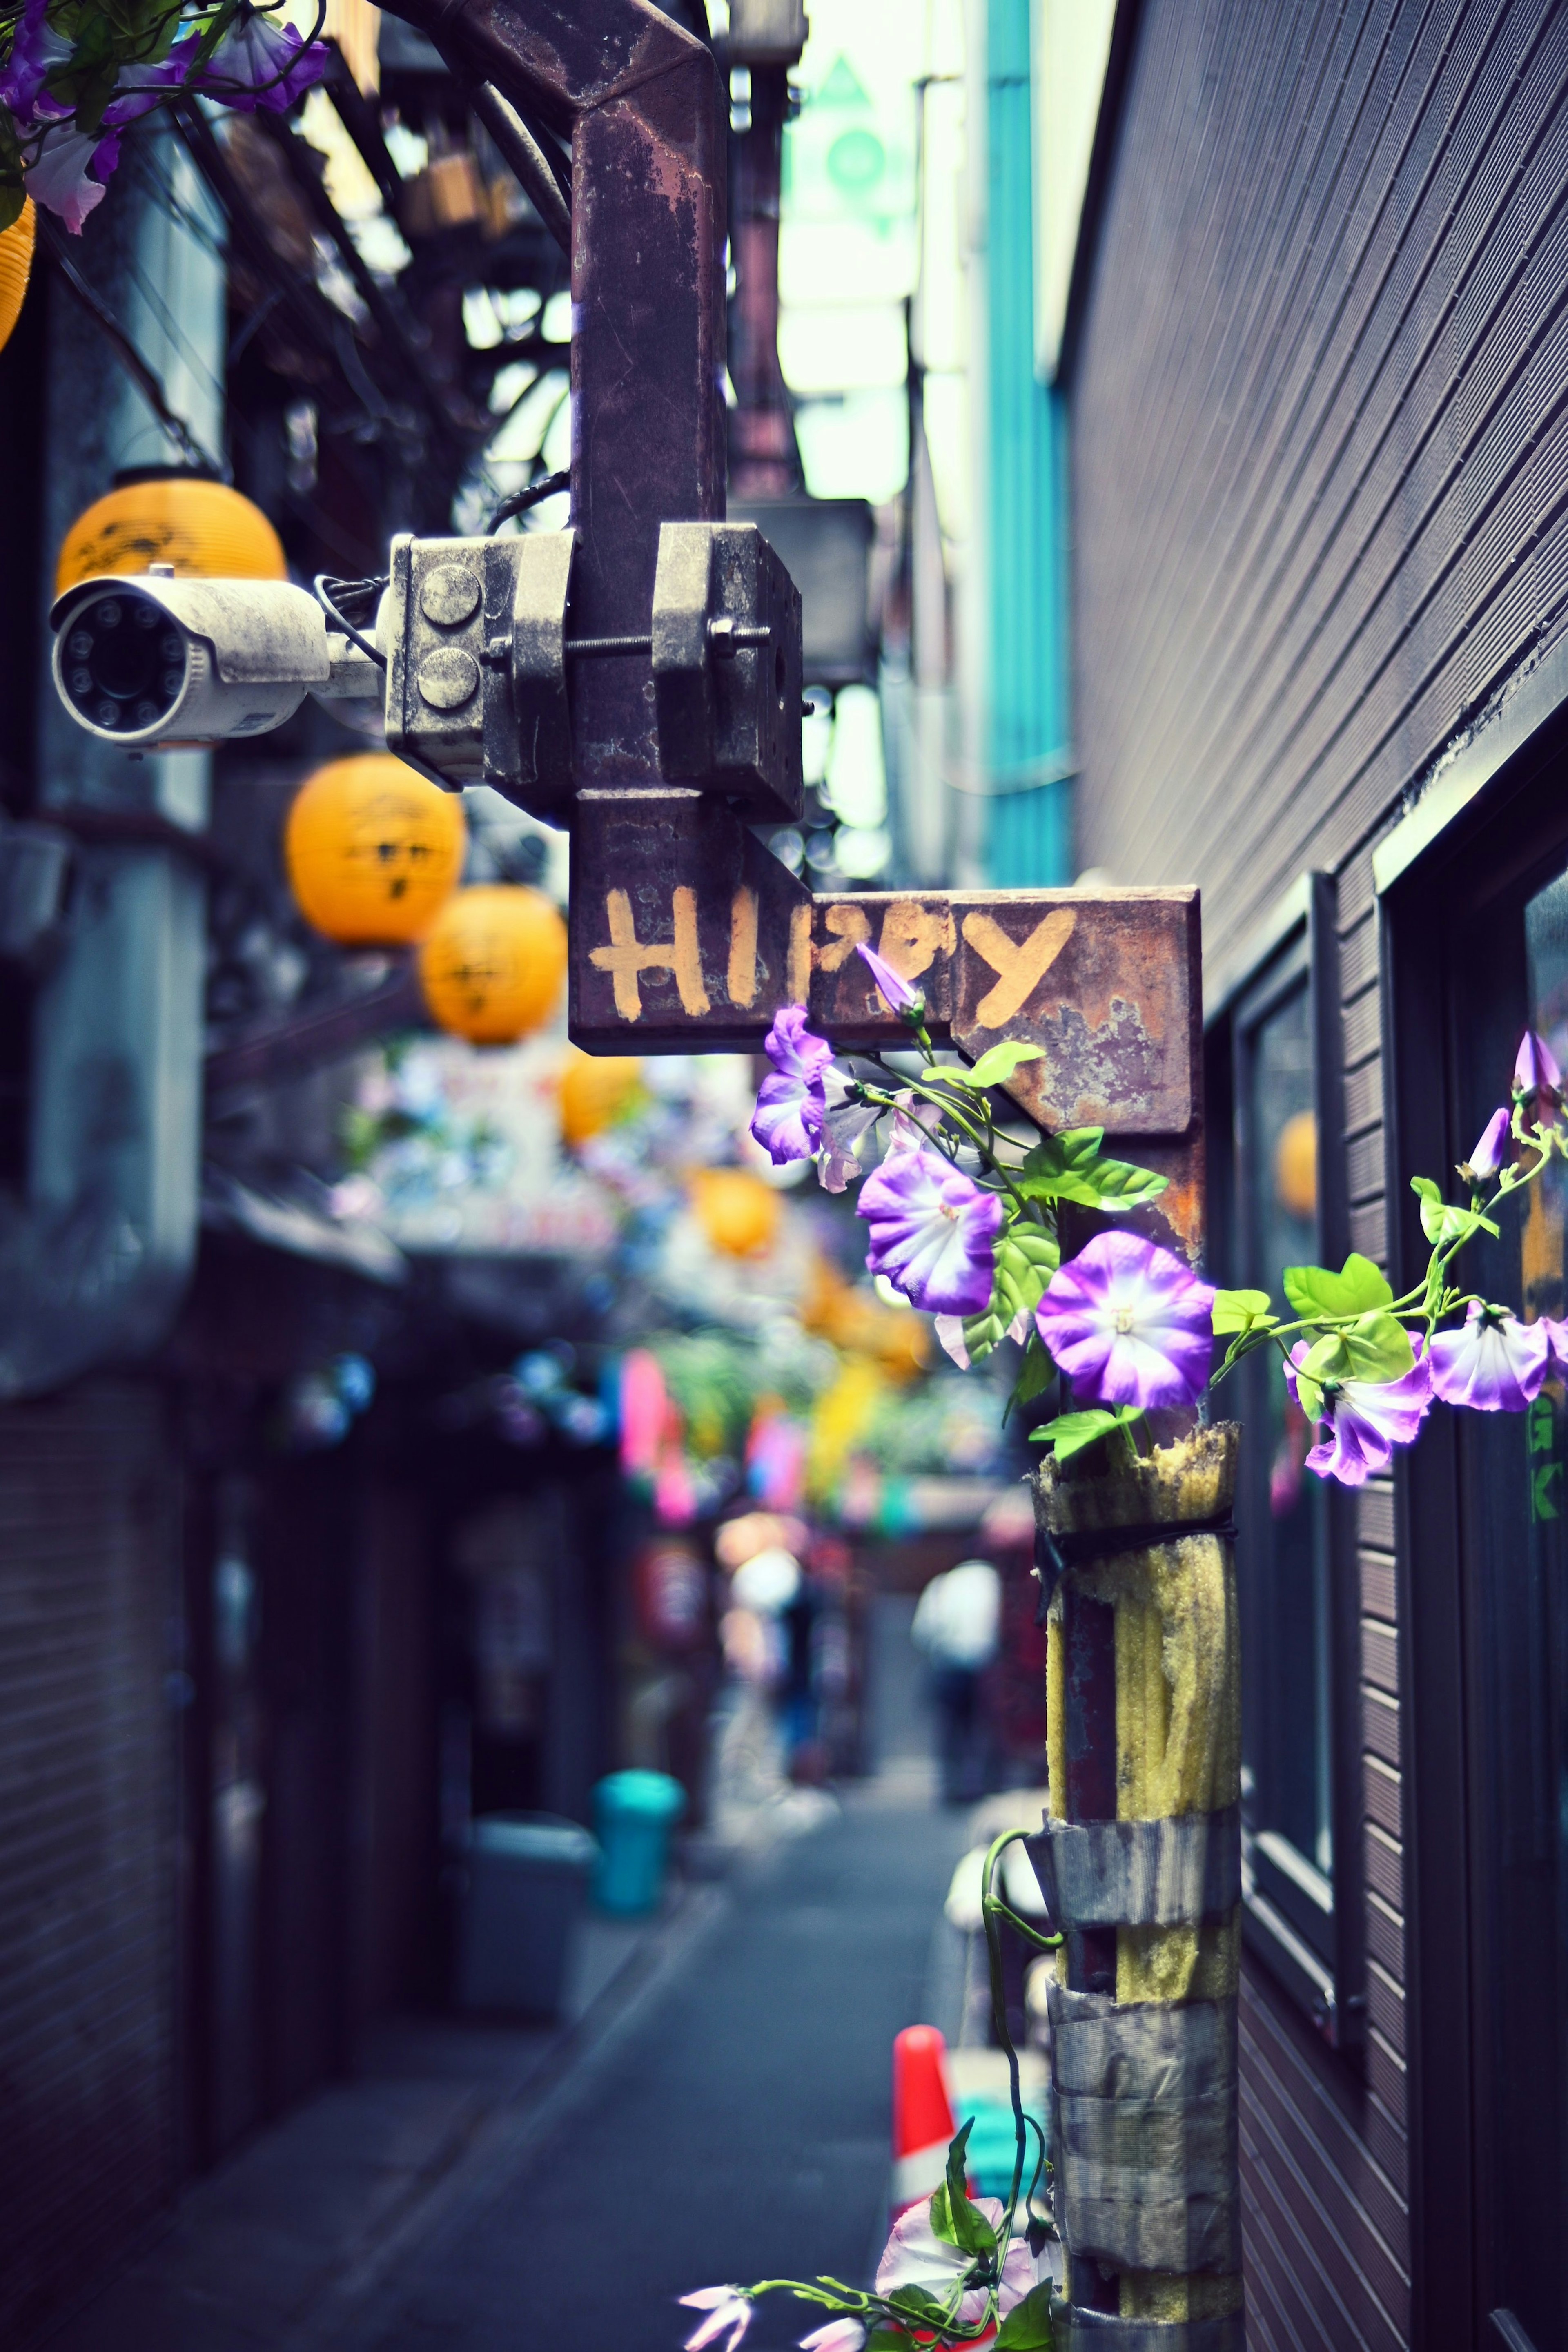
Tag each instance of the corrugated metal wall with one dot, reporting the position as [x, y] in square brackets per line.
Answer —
[1028, 841]
[87, 1909]
[1321, 500]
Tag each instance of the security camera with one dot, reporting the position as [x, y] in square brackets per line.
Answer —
[153, 659]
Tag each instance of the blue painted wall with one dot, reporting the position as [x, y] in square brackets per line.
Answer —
[1030, 832]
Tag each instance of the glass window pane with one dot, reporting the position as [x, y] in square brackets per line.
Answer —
[1285, 1561]
[1515, 1598]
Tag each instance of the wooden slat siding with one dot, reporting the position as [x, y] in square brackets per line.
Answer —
[1377, 1593]
[1369, 1229]
[1358, 955]
[87, 1825]
[1338, 629]
[1321, 518]
[1364, 2204]
[1374, 1515]
[1324, 2222]
[1381, 1797]
[1363, 1167]
[1380, 1726]
[1363, 1020]
[1385, 1935]
[1380, 1656]
[1385, 1866]
[1364, 1097]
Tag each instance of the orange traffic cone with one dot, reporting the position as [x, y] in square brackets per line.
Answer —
[922, 2121]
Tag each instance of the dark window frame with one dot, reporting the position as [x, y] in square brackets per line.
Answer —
[1327, 1982]
[1505, 817]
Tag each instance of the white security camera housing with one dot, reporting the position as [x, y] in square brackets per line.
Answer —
[149, 659]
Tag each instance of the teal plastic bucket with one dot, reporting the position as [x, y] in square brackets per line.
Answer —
[634, 1814]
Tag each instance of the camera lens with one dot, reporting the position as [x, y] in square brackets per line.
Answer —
[128, 665]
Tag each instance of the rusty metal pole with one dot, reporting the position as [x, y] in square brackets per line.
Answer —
[639, 99]
[764, 462]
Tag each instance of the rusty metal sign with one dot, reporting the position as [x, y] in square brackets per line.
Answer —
[687, 934]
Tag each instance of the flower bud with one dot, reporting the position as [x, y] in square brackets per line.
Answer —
[1490, 1150]
[1535, 1067]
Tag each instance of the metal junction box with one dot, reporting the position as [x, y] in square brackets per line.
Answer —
[477, 674]
[727, 666]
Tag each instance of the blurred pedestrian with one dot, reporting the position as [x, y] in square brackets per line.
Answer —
[957, 1623]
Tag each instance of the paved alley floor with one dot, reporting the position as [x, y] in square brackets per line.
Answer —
[739, 2129]
[717, 2110]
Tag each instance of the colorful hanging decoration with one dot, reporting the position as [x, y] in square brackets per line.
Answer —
[373, 851]
[596, 1089]
[492, 963]
[15, 268]
[736, 1211]
[160, 514]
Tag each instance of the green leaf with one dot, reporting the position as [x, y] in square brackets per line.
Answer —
[1243, 1311]
[953, 2218]
[997, 1064]
[919, 2303]
[1441, 1222]
[1071, 1167]
[1317, 1293]
[1069, 1433]
[1034, 1374]
[1026, 1258]
[13, 195]
[1027, 2326]
[1376, 1347]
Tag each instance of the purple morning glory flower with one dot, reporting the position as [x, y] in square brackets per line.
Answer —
[67, 175]
[1491, 1150]
[259, 64]
[34, 47]
[1128, 1324]
[1535, 1067]
[142, 87]
[1493, 1362]
[931, 1231]
[896, 993]
[1367, 1419]
[792, 1103]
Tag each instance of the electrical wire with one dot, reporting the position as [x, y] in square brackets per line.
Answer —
[325, 585]
[519, 502]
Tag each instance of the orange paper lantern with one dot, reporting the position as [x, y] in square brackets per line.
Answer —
[15, 268]
[206, 531]
[373, 850]
[595, 1089]
[736, 1211]
[493, 965]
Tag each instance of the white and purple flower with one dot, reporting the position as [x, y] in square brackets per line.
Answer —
[896, 992]
[1366, 1420]
[1493, 1362]
[791, 1103]
[915, 2256]
[1128, 1324]
[838, 2335]
[932, 1232]
[725, 2307]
